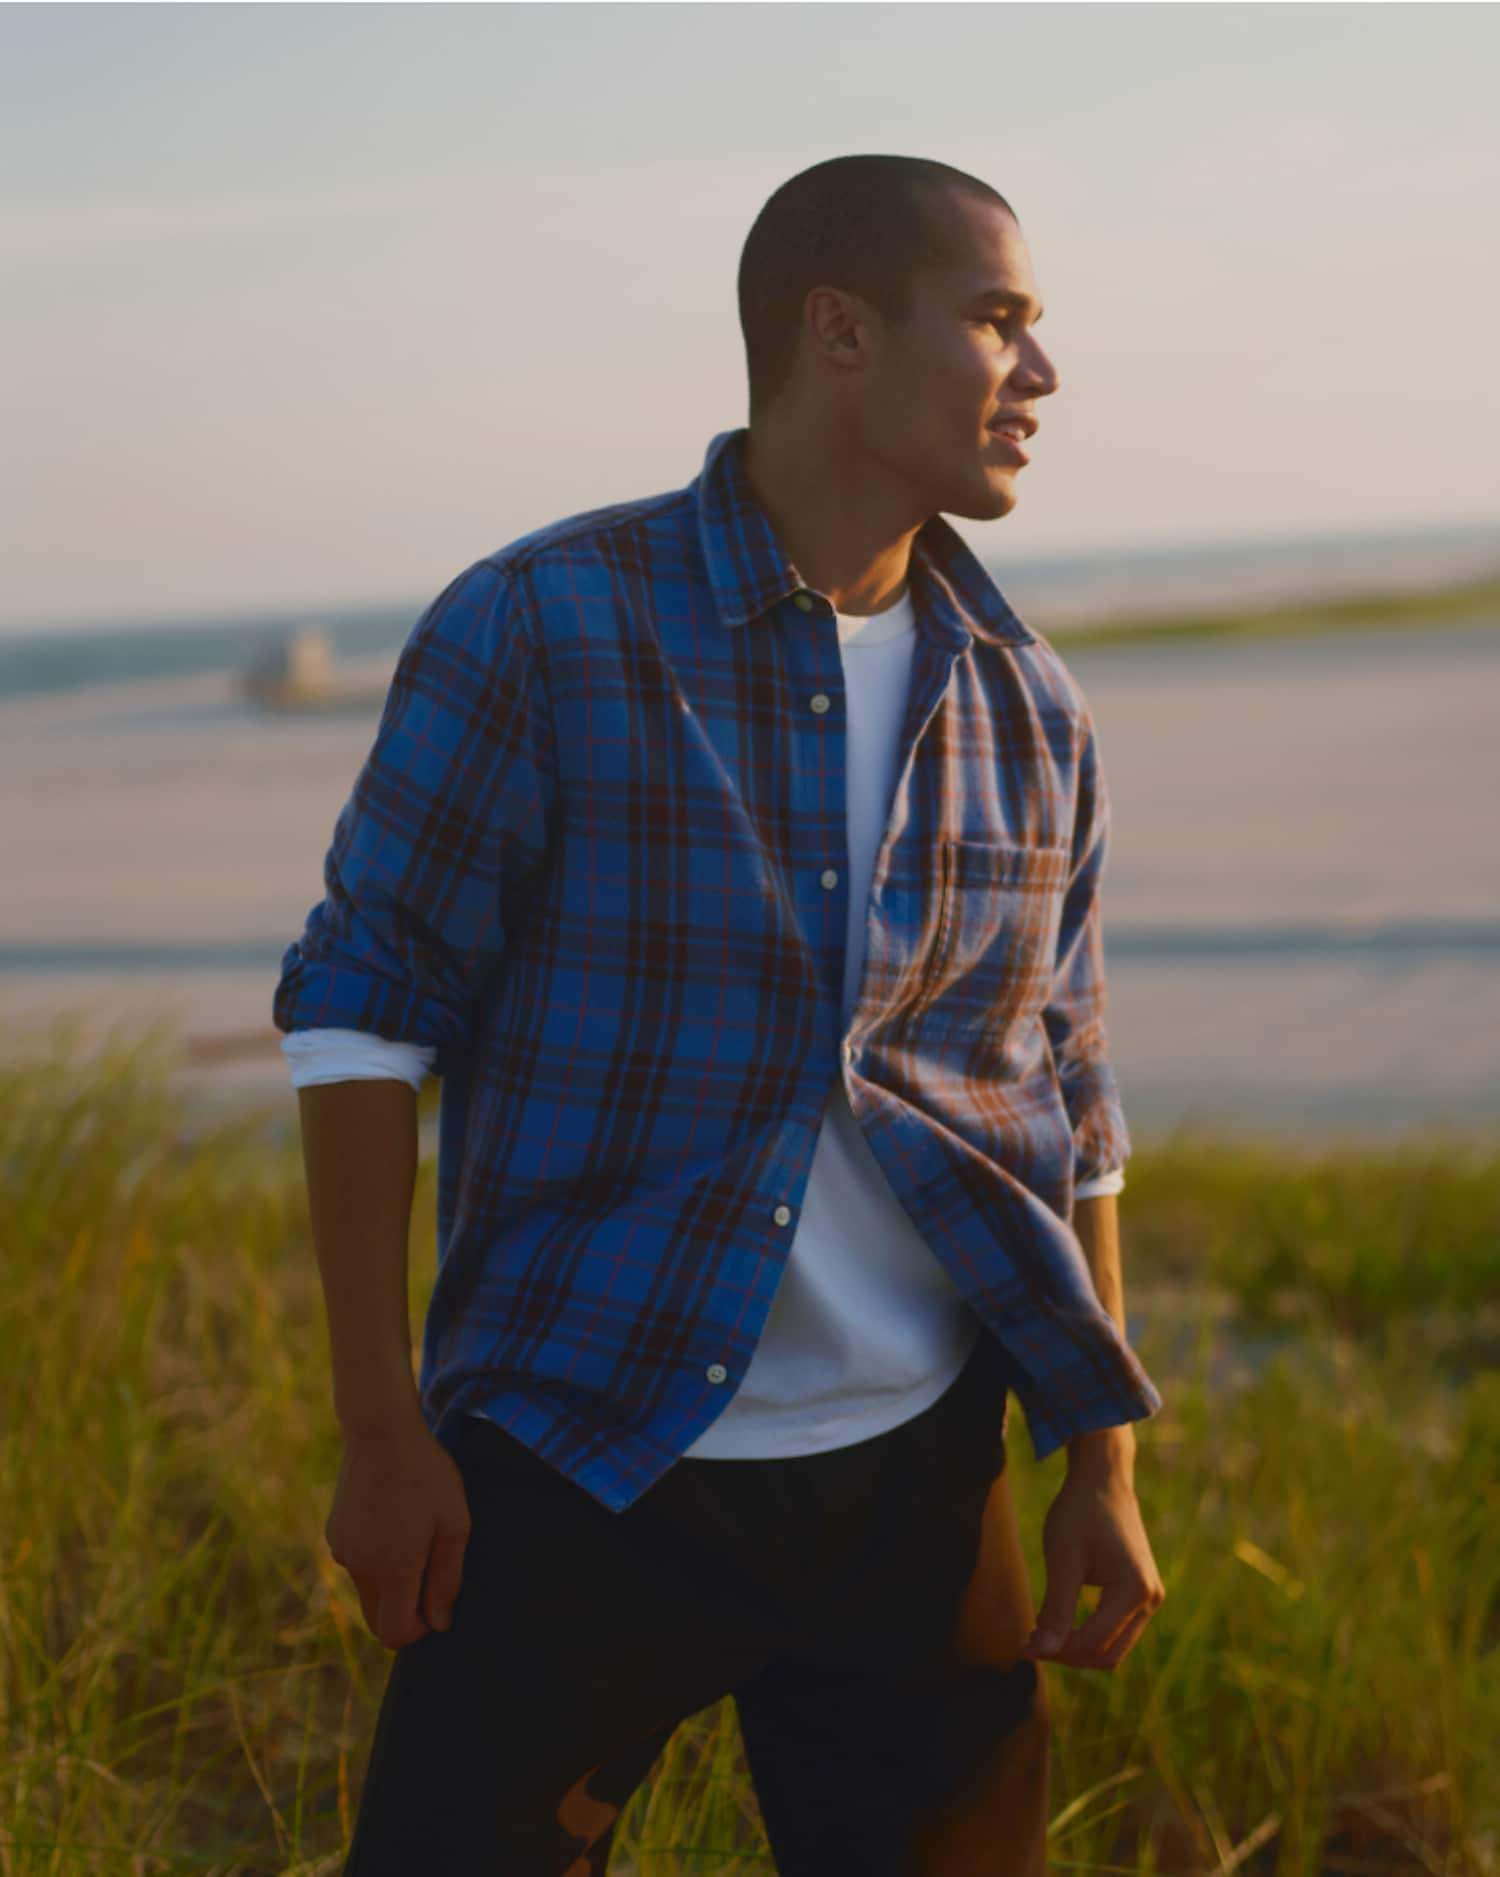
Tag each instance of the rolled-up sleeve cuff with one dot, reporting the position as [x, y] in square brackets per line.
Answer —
[331, 1055]
[1090, 1389]
[1101, 1139]
[332, 992]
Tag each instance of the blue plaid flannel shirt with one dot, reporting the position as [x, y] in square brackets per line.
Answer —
[582, 861]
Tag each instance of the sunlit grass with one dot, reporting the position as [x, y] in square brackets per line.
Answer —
[1468, 603]
[188, 1685]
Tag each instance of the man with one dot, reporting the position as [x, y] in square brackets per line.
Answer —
[734, 855]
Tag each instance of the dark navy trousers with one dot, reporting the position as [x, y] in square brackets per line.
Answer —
[863, 1606]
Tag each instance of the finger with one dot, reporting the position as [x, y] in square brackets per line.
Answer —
[445, 1571]
[369, 1598]
[400, 1622]
[1054, 1623]
[1094, 1654]
[1115, 1609]
[1126, 1640]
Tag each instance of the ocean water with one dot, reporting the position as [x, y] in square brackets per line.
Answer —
[1047, 591]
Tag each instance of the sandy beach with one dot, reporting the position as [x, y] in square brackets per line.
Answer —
[1302, 905]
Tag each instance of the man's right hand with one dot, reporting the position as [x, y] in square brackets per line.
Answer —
[399, 1526]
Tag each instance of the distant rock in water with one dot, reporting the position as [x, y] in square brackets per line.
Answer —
[294, 671]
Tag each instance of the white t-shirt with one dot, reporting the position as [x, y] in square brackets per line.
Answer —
[866, 1329]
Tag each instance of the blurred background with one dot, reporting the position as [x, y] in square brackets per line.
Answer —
[307, 308]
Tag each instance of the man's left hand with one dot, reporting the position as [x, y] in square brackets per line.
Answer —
[1093, 1534]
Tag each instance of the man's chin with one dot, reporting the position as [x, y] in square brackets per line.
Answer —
[993, 498]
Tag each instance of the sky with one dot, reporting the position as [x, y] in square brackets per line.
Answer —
[316, 305]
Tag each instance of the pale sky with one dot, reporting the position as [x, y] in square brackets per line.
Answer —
[318, 304]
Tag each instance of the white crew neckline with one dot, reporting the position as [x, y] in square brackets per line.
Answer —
[894, 622]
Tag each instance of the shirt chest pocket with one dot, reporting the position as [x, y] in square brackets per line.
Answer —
[994, 951]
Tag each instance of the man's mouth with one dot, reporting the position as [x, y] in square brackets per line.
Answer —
[1010, 435]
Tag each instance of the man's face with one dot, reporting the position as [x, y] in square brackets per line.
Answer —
[939, 386]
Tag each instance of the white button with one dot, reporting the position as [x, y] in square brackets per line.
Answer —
[830, 878]
[819, 701]
[803, 602]
[717, 1372]
[782, 1215]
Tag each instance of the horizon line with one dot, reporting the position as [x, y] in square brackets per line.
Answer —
[275, 612]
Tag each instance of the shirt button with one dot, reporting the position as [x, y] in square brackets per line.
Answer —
[819, 701]
[803, 602]
[830, 878]
[717, 1372]
[782, 1215]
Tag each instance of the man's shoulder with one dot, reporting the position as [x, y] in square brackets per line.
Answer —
[1048, 677]
[592, 532]
[576, 558]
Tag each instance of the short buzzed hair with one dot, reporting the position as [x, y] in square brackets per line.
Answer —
[866, 224]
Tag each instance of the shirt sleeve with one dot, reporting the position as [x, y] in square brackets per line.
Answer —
[448, 817]
[318, 1056]
[1074, 1013]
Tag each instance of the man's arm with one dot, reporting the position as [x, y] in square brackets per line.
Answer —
[448, 820]
[449, 817]
[1097, 1223]
[1074, 1021]
[359, 1150]
[1093, 1533]
[399, 1523]
[1074, 1012]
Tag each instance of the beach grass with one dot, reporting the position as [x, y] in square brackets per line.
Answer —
[188, 1685]
[1466, 603]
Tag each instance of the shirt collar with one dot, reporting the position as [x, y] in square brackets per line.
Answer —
[749, 570]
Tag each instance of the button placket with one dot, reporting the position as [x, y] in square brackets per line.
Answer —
[820, 703]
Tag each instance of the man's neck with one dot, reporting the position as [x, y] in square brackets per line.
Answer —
[841, 529]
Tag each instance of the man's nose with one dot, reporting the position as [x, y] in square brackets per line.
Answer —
[1039, 367]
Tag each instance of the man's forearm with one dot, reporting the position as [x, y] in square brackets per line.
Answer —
[1097, 1223]
[359, 1148]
